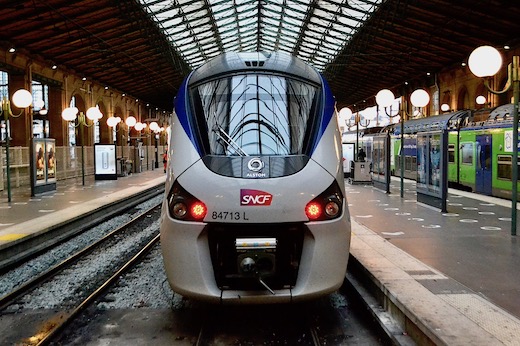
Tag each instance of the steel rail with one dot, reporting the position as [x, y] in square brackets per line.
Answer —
[58, 327]
[9, 298]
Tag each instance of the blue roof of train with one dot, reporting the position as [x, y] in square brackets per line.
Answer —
[500, 117]
[434, 123]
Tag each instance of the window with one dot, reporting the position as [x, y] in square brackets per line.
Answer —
[505, 163]
[40, 94]
[466, 150]
[255, 114]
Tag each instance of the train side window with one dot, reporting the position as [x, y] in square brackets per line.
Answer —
[505, 163]
[451, 153]
[407, 163]
[467, 153]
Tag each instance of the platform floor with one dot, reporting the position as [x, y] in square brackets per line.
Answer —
[458, 271]
[25, 214]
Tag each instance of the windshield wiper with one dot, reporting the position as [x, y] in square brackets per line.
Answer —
[228, 140]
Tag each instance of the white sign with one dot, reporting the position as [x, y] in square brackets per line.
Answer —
[105, 156]
[508, 141]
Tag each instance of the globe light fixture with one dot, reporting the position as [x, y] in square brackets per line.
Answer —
[420, 98]
[385, 98]
[480, 100]
[485, 61]
[154, 126]
[94, 114]
[139, 126]
[69, 113]
[22, 98]
[113, 121]
[130, 121]
[345, 113]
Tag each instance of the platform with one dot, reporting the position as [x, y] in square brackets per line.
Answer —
[455, 273]
[26, 215]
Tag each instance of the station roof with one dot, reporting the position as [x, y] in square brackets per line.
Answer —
[146, 47]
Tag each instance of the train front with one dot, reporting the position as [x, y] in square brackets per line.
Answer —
[255, 210]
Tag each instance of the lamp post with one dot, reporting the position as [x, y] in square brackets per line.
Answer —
[486, 61]
[419, 98]
[70, 114]
[130, 122]
[112, 122]
[21, 99]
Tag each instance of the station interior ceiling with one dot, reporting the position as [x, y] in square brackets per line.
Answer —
[145, 48]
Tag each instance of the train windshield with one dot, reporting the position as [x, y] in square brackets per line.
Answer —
[255, 114]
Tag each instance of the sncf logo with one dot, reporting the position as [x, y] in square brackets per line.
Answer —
[255, 197]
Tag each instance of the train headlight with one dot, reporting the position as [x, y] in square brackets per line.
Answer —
[332, 209]
[184, 206]
[179, 210]
[328, 205]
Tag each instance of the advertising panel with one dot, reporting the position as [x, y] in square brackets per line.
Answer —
[432, 181]
[43, 161]
[51, 161]
[105, 161]
[381, 162]
[39, 159]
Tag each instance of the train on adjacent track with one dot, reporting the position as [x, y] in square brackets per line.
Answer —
[255, 208]
[479, 150]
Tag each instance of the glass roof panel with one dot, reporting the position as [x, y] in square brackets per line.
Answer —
[316, 30]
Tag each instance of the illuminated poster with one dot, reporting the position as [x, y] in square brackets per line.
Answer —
[51, 161]
[432, 172]
[380, 164]
[422, 150]
[105, 161]
[39, 152]
[435, 164]
[44, 165]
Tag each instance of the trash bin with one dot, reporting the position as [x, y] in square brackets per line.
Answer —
[362, 172]
[121, 166]
[129, 167]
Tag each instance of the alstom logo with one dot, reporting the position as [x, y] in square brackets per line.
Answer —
[255, 197]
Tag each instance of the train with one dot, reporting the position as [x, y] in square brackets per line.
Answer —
[255, 209]
[479, 150]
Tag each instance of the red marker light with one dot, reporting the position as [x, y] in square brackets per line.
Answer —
[313, 210]
[198, 210]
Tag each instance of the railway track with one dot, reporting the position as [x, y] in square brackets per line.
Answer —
[127, 314]
[23, 250]
[327, 321]
[69, 318]
[63, 305]
[73, 283]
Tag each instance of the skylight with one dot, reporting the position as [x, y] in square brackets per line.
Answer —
[315, 31]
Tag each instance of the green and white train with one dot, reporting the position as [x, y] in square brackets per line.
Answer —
[480, 149]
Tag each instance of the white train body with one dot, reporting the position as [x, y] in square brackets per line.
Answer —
[255, 210]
